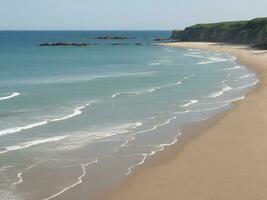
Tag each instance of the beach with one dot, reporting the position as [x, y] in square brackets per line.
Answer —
[226, 161]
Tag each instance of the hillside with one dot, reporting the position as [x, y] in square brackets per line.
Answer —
[245, 32]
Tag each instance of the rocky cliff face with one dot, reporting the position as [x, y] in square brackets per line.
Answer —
[246, 32]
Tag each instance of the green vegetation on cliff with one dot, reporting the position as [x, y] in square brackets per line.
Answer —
[246, 32]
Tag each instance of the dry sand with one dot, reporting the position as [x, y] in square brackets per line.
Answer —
[227, 162]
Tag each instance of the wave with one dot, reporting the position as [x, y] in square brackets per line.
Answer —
[4, 168]
[210, 109]
[73, 79]
[138, 124]
[197, 52]
[146, 131]
[189, 76]
[154, 64]
[79, 181]
[81, 139]
[76, 112]
[233, 68]
[146, 91]
[214, 60]
[205, 110]
[246, 76]
[116, 94]
[246, 86]
[194, 55]
[14, 94]
[227, 101]
[190, 102]
[220, 92]
[21, 128]
[26, 145]
[182, 112]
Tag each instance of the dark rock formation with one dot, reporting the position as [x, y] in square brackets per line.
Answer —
[162, 39]
[110, 37]
[118, 44]
[262, 46]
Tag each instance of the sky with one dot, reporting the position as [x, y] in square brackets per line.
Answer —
[123, 14]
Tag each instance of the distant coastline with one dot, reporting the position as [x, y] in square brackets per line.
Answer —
[253, 32]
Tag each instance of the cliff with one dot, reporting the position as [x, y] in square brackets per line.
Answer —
[244, 32]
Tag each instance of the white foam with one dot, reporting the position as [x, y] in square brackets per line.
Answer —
[247, 86]
[213, 60]
[14, 94]
[220, 92]
[154, 64]
[228, 101]
[189, 103]
[145, 131]
[233, 68]
[146, 91]
[4, 168]
[196, 52]
[210, 109]
[138, 124]
[194, 55]
[31, 143]
[19, 176]
[77, 111]
[78, 182]
[80, 139]
[182, 112]
[189, 76]
[116, 94]
[246, 76]
[21, 128]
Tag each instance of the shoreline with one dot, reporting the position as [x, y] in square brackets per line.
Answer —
[225, 161]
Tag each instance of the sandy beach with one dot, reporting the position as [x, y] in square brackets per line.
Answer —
[226, 162]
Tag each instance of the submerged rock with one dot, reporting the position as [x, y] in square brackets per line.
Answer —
[66, 44]
[118, 44]
[162, 39]
[110, 37]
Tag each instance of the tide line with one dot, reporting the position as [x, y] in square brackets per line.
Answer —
[79, 181]
[161, 147]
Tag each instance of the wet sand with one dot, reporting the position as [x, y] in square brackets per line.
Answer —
[227, 161]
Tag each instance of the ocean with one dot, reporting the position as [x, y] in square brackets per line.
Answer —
[75, 121]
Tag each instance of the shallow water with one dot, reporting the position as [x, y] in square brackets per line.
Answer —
[76, 120]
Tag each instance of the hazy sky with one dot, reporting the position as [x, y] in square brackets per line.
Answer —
[123, 14]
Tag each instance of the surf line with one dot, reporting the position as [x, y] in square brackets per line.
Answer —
[80, 180]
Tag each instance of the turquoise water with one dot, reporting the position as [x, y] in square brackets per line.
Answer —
[96, 113]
